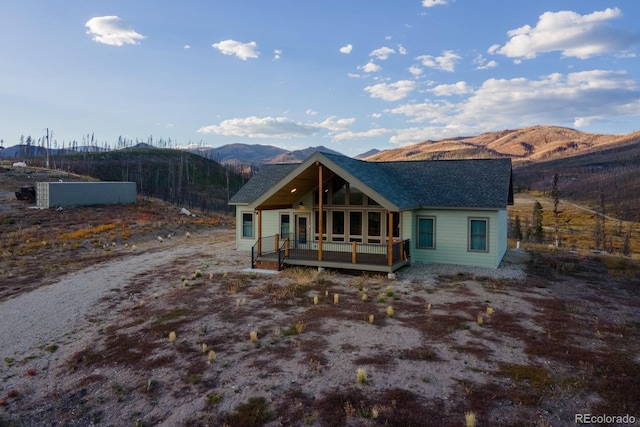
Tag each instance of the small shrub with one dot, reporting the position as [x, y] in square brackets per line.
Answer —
[364, 297]
[315, 300]
[390, 311]
[214, 399]
[489, 311]
[480, 320]
[336, 298]
[371, 319]
[253, 413]
[51, 348]
[211, 357]
[470, 419]
[389, 292]
[361, 376]
[253, 336]
[172, 336]
[300, 326]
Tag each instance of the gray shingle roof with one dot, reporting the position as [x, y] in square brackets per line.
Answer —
[476, 183]
[266, 177]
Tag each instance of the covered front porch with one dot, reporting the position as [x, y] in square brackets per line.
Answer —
[275, 253]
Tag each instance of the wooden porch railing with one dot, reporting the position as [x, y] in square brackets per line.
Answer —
[353, 252]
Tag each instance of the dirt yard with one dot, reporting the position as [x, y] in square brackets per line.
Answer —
[142, 316]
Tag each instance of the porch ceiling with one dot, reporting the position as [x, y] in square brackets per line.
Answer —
[303, 183]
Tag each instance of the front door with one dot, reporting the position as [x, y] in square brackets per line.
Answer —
[302, 222]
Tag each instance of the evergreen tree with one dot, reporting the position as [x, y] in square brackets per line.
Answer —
[538, 231]
[555, 194]
[517, 228]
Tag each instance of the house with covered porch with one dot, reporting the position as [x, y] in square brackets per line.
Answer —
[332, 211]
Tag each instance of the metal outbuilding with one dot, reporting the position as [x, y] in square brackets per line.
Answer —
[49, 194]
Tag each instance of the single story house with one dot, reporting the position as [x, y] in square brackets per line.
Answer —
[337, 212]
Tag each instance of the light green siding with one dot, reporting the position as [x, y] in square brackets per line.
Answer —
[270, 226]
[452, 238]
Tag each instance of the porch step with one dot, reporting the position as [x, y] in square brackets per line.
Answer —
[266, 265]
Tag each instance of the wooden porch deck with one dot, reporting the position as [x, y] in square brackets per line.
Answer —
[335, 259]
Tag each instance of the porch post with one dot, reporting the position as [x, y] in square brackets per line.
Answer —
[277, 243]
[320, 222]
[259, 232]
[390, 239]
[354, 251]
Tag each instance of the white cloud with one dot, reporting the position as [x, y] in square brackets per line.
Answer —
[581, 122]
[402, 50]
[391, 91]
[111, 30]
[265, 127]
[310, 112]
[576, 98]
[435, 112]
[354, 75]
[241, 50]
[186, 46]
[371, 133]
[575, 35]
[371, 67]
[483, 64]
[414, 135]
[382, 53]
[445, 62]
[334, 125]
[277, 127]
[346, 49]
[416, 71]
[459, 88]
[431, 3]
[277, 53]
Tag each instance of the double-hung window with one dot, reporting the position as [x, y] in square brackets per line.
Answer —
[247, 225]
[285, 227]
[426, 232]
[478, 234]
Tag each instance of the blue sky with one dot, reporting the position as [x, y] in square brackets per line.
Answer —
[350, 75]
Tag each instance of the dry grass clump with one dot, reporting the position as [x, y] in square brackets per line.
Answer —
[361, 376]
[470, 419]
[300, 326]
[305, 276]
[86, 233]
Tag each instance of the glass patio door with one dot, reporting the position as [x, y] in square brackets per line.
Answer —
[302, 222]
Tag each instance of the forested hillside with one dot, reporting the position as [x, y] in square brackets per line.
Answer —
[175, 176]
[613, 174]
